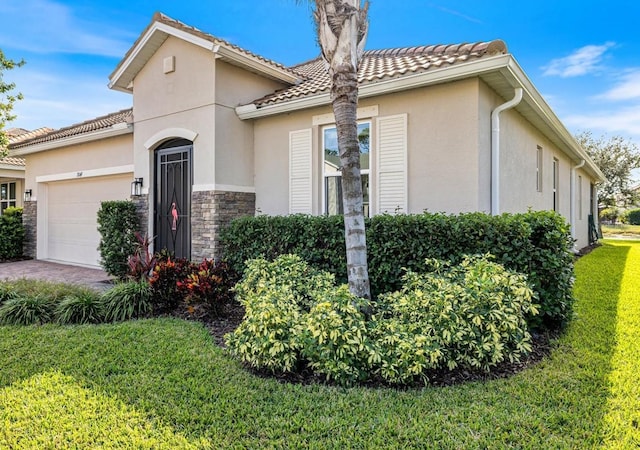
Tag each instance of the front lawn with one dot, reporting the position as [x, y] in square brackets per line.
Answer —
[621, 230]
[162, 383]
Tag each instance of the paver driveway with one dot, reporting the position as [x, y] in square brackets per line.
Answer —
[50, 271]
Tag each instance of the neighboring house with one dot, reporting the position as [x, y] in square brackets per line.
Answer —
[12, 170]
[218, 132]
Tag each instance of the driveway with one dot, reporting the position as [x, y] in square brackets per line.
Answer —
[50, 271]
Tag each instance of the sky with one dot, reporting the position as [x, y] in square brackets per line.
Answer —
[583, 56]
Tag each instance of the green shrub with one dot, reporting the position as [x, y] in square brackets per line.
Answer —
[27, 310]
[168, 272]
[470, 315]
[538, 244]
[208, 284]
[117, 224]
[6, 292]
[334, 337]
[550, 270]
[633, 216]
[12, 232]
[127, 300]
[273, 294]
[83, 307]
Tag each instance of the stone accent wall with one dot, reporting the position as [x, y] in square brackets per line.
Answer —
[142, 210]
[210, 212]
[30, 221]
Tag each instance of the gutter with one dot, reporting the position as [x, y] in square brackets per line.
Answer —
[495, 149]
[572, 202]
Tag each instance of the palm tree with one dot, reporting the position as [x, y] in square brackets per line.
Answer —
[342, 27]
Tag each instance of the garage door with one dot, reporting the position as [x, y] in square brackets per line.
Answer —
[72, 216]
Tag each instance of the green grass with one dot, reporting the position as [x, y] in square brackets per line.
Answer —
[149, 382]
[621, 230]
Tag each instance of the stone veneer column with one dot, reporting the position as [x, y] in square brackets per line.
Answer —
[210, 212]
[142, 211]
[30, 221]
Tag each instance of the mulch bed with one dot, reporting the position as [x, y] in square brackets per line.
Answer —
[234, 313]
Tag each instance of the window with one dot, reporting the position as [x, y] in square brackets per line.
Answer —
[580, 197]
[332, 175]
[556, 181]
[7, 195]
[539, 169]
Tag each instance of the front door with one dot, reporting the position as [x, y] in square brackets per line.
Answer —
[173, 198]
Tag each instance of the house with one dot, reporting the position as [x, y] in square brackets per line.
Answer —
[12, 169]
[218, 132]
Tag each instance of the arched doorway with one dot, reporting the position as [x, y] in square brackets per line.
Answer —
[172, 211]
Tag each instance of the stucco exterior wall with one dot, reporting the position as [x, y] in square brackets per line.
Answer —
[234, 137]
[78, 159]
[519, 141]
[442, 157]
[183, 98]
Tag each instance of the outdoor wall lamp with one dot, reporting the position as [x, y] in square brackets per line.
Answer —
[27, 195]
[136, 187]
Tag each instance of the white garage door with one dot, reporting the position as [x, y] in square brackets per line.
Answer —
[72, 209]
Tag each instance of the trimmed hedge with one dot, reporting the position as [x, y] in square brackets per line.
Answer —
[12, 233]
[117, 225]
[537, 244]
[633, 216]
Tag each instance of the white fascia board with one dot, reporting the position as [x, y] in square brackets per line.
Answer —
[254, 64]
[12, 167]
[544, 111]
[436, 76]
[115, 130]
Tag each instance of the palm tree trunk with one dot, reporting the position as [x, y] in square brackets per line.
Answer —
[342, 29]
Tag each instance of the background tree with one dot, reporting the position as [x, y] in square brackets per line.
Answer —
[342, 27]
[616, 158]
[7, 99]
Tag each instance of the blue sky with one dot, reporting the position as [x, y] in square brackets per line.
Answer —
[583, 56]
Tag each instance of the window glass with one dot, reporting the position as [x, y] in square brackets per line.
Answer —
[332, 166]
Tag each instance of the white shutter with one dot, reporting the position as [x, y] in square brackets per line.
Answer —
[392, 164]
[300, 200]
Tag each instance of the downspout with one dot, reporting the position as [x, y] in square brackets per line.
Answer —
[572, 202]
[495, 150]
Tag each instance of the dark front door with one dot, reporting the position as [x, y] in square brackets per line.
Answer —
[173, 198]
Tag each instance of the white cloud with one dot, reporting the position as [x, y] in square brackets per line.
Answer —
[46, 26]
[627, 89]
[581, 62]
[453, 12]
[623, 121]
[61, 100]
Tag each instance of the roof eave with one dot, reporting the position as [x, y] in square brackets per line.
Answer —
[564, 138]
[154, 36]
[445, 74]
[118, 129]
[12, 167]
[505, 64]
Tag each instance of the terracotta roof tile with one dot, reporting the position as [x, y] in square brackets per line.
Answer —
[11, 161]
[99, 123]
[378, 65]
[17, 135]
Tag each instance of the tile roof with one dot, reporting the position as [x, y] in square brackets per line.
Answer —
[11, 161]
[99, 123]
[377, 65]
[163, 19]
